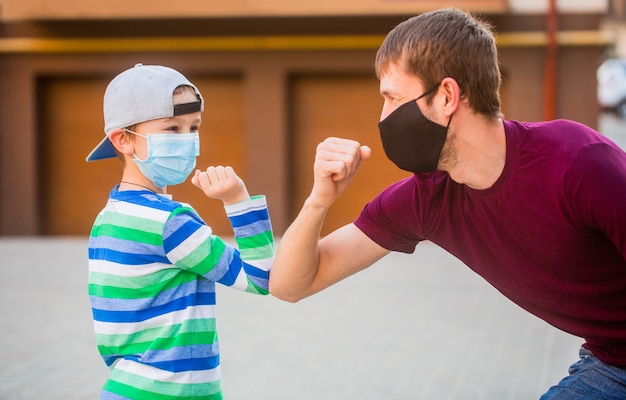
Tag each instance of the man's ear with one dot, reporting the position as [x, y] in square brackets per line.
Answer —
[122, 141]
[452, 93]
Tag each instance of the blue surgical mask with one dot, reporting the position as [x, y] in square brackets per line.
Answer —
[171, 157]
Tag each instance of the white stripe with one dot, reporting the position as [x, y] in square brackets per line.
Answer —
[241, 282]
[149, 372]
[190, 244]
[177, 317]
[111, 268]
[264, 264]
[134, 210]
[254, 204]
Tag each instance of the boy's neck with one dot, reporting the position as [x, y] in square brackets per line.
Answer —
[134, 182]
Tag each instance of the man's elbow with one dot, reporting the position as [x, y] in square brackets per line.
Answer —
[282, 293]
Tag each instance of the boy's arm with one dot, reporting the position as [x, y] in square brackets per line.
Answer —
[305, 264]
[247, 266]
[255, 241]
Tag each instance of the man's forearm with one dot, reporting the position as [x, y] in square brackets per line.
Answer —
[297, 258]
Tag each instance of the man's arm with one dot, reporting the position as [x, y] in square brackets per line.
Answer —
[304, 264]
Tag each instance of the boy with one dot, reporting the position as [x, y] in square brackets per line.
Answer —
[153, 262]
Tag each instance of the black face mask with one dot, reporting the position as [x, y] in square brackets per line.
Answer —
[412, 141]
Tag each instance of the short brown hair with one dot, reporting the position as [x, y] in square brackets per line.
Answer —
[447, 43]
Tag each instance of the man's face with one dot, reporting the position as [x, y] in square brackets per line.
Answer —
[398, 87]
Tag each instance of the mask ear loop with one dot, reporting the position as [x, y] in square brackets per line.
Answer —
[426, 93]
[136, 134]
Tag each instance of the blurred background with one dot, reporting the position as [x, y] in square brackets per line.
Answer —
[278, 77]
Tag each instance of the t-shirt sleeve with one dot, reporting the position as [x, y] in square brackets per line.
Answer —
[391, 218]
[190, 244]
[596, 185]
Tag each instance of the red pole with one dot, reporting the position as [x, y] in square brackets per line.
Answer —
[551, 62]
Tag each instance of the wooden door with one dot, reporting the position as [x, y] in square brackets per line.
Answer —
[73, 191]
[343, 106]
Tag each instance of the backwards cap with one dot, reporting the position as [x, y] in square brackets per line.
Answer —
[141, 94]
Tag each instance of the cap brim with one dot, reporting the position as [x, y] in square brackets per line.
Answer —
[102, 151]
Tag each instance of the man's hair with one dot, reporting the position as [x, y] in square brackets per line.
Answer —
[447, 43]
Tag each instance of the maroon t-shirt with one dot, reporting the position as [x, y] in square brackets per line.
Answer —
[550, 234]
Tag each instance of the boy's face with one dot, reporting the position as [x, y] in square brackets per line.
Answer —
[186, 123]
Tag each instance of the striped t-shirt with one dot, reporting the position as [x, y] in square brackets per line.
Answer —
[153, 265]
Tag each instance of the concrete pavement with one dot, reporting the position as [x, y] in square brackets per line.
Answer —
[418, 326]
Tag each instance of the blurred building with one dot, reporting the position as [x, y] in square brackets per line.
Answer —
[278, 77]
[615, 25]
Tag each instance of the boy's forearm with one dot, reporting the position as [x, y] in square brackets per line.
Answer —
[255, 241]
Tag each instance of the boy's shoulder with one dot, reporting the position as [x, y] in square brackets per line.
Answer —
[148, 199]
[148, 206]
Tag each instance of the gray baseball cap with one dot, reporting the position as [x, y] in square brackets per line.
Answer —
[141, 94]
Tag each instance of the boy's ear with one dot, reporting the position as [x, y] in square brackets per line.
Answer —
[121, 141]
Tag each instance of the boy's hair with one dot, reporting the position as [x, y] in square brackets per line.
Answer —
[447, 43]
[139, 94]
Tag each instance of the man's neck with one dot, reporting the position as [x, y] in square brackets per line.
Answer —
[479, 149]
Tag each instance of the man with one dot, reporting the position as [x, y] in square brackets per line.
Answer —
[536, 209]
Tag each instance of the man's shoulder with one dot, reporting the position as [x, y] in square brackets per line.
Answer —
[562, 128]
[561, 136]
